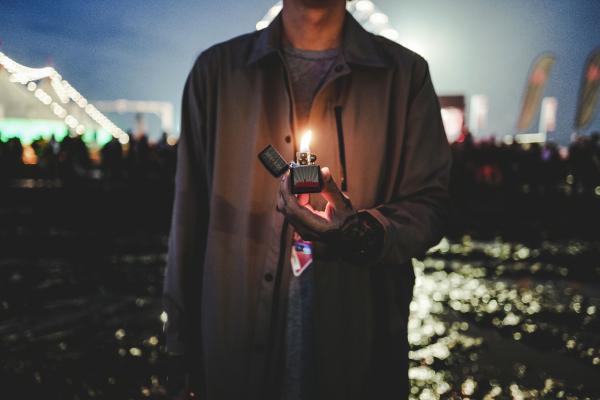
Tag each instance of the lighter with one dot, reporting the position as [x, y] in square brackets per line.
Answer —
[304, 173]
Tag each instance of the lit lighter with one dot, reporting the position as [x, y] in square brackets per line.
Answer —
[304, 173]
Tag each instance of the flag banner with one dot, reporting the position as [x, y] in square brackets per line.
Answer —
[588, 93]
[453, 114]
[535, 89]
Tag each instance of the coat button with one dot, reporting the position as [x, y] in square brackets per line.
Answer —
[288, 139]
[268, 277]
[339, 68]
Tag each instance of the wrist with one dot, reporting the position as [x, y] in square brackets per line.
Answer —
[360, 239]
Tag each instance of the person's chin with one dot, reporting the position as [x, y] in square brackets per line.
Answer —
[320, 3]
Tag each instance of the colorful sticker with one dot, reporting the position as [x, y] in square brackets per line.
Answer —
[302, 256]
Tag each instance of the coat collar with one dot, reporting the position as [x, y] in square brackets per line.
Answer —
[358, 45]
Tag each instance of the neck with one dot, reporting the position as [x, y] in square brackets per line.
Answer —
[310, 28]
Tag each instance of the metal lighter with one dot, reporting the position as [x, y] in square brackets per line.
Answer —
[305, 174]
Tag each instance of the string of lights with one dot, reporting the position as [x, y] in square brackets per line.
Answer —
[65, 93]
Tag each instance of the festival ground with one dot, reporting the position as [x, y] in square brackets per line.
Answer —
[495, 316]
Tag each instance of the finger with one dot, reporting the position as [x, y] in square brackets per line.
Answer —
[303, 199]
[309, 219]
[285, 190]
[308, 206]
[290, 207]
[331, 192]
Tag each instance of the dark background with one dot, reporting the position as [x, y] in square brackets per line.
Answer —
[506, 304]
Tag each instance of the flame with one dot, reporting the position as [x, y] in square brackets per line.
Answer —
[305, 142]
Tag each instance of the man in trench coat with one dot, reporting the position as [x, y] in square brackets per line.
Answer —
[377, 127]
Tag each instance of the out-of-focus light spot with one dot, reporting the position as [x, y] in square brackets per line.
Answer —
[390, 33]
[261, 25]
[523, 253]
[140, 302]
[378, 18]
[510, 320]
[122, 352]
[31, 86]
[468, 386]
[124, 139]
[171, 140]
[365, 6]
[421, 373]
[570, 179]
[275, 10]
[29, 157]
[145, 391]
[427, 394]
[508, 140]
[516, 392]
[517, 335]
[153, 341]
[134, 351]
[597, 191]
[493, 393]
[120, 334]
[164, 317]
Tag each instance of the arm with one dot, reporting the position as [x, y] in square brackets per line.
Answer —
[183, 275]
[414, 219]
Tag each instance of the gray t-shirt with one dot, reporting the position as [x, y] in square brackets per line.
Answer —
[308, 70]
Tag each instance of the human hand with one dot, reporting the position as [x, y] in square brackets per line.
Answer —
[313, 224]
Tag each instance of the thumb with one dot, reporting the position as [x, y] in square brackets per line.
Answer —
[330, 191]
[303, 199]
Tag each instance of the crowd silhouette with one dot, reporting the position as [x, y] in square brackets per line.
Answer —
[71, 161]
[546, 169]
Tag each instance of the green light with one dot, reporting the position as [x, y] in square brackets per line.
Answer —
[28, 130]
[100, 136]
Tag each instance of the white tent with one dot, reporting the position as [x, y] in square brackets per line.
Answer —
[17, 102]
[42, 98]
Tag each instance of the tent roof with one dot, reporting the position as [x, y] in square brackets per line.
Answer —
[18, 102]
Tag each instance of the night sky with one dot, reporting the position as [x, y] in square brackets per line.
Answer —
[144, 49]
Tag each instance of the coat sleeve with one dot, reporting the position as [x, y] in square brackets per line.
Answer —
[187, 237]
[415, 217]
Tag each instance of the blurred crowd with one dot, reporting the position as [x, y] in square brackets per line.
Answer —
[537, 168]
[72, 160]
[485, 165]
